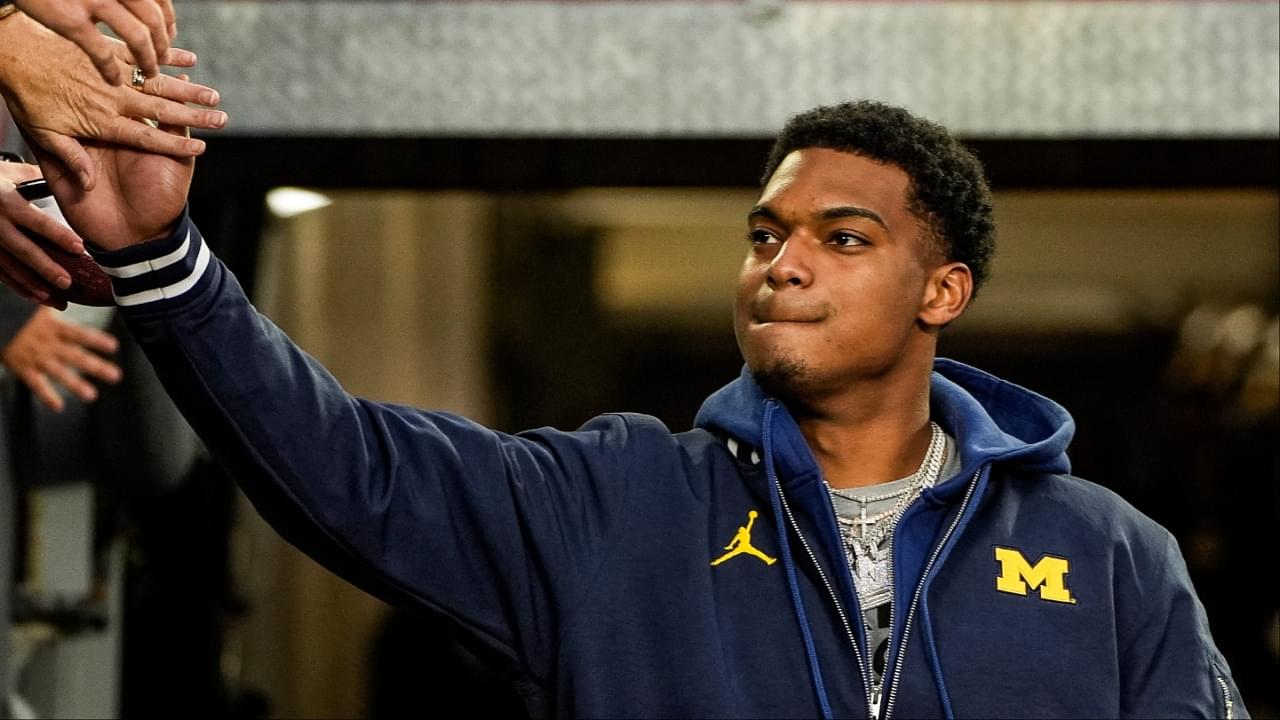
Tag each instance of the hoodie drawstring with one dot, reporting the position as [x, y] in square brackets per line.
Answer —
[784, 546]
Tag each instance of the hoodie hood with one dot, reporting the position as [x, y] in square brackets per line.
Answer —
[993, 421]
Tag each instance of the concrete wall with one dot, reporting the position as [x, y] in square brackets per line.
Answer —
[1046, 68]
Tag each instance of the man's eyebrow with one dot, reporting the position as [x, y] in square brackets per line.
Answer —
[834, 213]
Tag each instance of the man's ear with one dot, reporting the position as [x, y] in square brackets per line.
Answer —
[946, 294]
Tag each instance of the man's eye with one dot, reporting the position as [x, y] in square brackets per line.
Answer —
[844, 239]
[760, 236]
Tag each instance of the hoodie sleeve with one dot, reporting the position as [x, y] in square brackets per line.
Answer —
[495, 531]
[1170, 665]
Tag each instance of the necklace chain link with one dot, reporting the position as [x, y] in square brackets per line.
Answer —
[865, 535]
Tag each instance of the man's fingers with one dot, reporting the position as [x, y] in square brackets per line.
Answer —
[71, 380]
[176, 130]
[55, 171]
[100, 50]
[43, 390]
[144, 137]
[173, 57]
[20, 247]
[134, 34]
[36, 221]
[178, 57]
[171, 112]
[170, 18]
[32, 219]
[18, 288]
[149, 12]
[71, 155]
[90, 337]
[17, 172]
[22, 277]
[93, 365]
[183, 91]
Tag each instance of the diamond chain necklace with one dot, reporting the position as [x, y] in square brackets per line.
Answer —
[864, 535]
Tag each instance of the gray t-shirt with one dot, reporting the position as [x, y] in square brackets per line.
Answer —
[875, 585]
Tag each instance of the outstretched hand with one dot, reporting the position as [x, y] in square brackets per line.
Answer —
[49, 351]
[139, 195]
[146, 26]
[56, 96]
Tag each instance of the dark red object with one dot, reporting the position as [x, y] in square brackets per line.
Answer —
[89, 285]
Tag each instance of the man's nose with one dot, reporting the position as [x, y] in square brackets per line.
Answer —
[790, 267]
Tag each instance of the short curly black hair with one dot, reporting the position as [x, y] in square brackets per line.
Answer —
[948, 190]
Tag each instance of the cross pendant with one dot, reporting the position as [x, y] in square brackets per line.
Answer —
[862, 520]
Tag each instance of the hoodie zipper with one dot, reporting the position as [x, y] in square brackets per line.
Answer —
[915, 598]
[844, 619]
[873, 701]
[1226, 699]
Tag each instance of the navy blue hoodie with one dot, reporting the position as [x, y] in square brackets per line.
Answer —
[623, 570]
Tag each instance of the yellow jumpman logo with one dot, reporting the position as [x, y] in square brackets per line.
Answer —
[741, 543]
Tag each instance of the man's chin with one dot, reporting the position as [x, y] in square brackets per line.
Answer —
[787, 379]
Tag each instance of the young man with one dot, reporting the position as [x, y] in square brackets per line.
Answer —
[853, 529]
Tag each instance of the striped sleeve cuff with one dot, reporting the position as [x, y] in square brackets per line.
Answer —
[159, 273]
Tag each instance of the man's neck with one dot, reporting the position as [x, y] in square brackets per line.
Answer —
[874, 433]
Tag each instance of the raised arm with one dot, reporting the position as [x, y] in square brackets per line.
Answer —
[500, 533]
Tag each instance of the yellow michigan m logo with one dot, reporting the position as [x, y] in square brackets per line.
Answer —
[1049, 575]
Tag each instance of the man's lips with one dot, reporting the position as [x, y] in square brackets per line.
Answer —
[771, 310]
[778, 320]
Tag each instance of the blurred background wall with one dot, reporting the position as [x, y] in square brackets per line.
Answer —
[381, 288]
[532, 212]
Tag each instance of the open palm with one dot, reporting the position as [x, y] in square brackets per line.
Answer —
[138, 197]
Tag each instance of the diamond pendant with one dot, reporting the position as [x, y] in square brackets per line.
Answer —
[872, 577]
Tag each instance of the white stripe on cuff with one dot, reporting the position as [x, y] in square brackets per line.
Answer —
[147, 266]
[169, 291]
